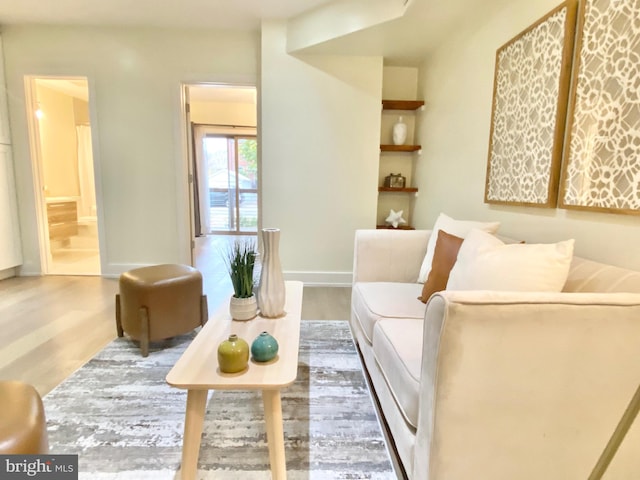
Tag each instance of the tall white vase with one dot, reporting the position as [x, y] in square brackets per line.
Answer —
[271, 292]
[399, 132]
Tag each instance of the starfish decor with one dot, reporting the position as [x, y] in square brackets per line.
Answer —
[395, 218]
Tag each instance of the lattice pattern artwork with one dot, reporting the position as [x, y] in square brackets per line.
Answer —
[602, 156]
[529, 105]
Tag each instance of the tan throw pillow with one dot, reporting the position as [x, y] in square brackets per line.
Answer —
[444, 257]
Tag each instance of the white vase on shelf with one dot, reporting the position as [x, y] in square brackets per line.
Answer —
[271, 290]
[399, 132]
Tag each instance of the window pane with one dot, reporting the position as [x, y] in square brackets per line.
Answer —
[233, 192]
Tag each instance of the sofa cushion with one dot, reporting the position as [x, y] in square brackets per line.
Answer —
[486, 263]
[372, 301]
[459, 228]
[589, 276]
[397, 348]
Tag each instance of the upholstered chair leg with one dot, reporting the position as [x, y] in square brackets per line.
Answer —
[118, 318]
[144, 331]
[204, 310]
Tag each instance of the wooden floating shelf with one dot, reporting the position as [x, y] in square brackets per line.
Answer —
[400, 227]
[400, 148]
[401, 190]
[402, 104]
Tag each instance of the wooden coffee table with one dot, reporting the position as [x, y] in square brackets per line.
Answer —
[197, 371]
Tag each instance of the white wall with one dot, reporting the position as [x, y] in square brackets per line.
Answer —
[320, 119]
[58, 143]
[339, 19]
[457, 84]
[134, 83]
[223, 113]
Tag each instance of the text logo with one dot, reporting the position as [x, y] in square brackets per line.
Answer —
[50, 467]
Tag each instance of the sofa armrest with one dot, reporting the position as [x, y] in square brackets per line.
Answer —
[389, 255]
[510, 380]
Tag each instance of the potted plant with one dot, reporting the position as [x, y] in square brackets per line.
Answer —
[241, 258]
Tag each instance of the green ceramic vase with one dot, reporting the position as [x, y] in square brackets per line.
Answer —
[264, 348]
[233, 355]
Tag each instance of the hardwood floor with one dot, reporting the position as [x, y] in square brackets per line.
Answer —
[52, 325]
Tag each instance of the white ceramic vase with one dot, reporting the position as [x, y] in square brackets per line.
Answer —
[271, 292]
[243, 308]
[399, 132]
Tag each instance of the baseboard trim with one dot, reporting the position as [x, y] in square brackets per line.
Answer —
[115, 269]
[321, 279]
[311, 279]
[8, 273]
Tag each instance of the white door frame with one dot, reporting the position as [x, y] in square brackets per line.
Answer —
[38, 174]
[187, 162]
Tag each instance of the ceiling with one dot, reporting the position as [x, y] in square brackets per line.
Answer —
[409, 39]
[225, 14]
[404, 41]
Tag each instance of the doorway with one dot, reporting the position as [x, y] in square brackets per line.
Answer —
[223, 164]
[62, 157]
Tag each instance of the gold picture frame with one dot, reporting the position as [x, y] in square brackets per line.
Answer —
[530, 97]
[601, 170]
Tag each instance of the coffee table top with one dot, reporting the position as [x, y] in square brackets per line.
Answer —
[197, 368]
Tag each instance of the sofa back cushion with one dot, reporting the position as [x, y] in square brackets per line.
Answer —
[588, 276]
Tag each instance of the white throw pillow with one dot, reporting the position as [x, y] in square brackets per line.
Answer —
[458, 228]
[486, 263]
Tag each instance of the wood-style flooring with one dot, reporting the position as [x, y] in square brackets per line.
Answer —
[52, 325]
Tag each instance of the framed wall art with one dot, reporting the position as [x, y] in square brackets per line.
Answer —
[601, 168]
[530, 97]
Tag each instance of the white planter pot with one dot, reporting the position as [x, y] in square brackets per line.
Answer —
[243, 308]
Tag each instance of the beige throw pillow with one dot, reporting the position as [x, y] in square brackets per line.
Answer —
[444, 257]
[459, 228]
[486, 263]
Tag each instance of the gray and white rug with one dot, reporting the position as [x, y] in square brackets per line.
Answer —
[122, 419]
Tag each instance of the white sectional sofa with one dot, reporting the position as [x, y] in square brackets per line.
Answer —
[488, 385]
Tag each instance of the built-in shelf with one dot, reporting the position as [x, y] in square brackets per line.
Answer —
[401, 190]
[402, 104]
[400, 148]
[391, 227]
[398, 198]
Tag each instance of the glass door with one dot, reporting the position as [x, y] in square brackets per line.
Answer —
[231, 169]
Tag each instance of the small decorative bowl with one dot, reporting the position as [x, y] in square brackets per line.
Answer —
[264, 348]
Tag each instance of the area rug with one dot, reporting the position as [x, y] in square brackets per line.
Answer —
[121, 418]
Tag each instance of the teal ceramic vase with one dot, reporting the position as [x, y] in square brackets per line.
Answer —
[264, 348]
[233, 355]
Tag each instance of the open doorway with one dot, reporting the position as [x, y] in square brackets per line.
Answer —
[62, 156]
[224, 175]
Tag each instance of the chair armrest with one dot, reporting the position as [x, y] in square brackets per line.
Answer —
[507, 374]
[389, 255]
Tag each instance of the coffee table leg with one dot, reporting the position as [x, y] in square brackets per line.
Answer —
[275, 433]
[193, 422]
